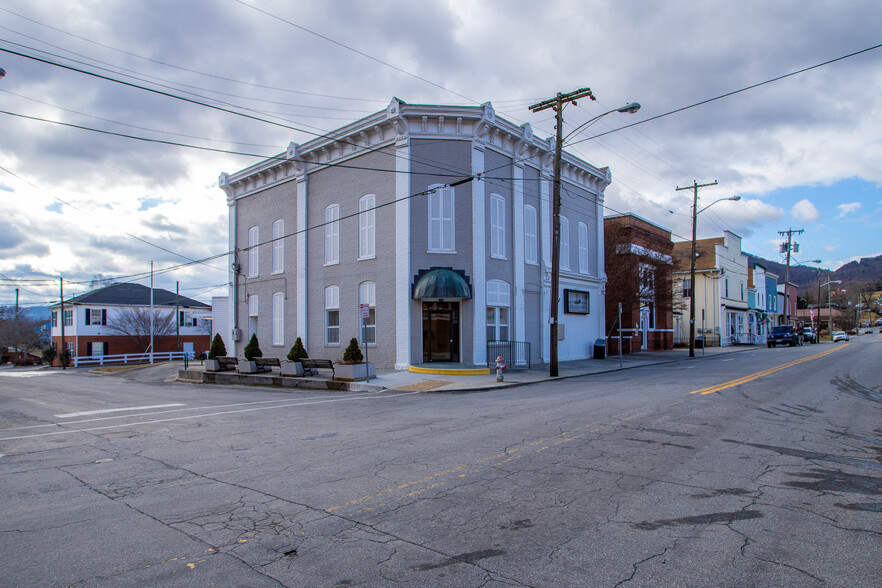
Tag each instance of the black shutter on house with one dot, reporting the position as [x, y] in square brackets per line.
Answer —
[89, 348]
[104, 317]
[87, 314]
[106, 347]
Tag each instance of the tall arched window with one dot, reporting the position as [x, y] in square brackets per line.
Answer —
[564, 243]
[531, 235]
[332, 315]
[332, 234]
[441, 223]
[253, 258]
[497, 226]
[498, 310]
[367, 294]
[583, 248]
[367, 230]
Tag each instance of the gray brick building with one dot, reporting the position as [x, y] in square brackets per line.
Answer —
[438, 218]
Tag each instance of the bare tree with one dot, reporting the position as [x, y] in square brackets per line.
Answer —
[21, 333]
[100, 281]
[135, 323]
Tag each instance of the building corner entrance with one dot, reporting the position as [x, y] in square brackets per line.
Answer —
[440, 332]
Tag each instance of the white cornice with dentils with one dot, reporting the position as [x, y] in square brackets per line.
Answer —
[399, 121]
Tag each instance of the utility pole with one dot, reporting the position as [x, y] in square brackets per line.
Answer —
[557, 103]
[790, 247]
[694, 187]
[62, 355]
[177, 318]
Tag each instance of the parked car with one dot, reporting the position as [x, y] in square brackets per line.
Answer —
[840, 336]
[783, 334]
[868, 332]
[809, 335]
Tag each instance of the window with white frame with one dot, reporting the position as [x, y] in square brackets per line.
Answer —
[332, 234]
[54, 318]
[278, 246]
[68, 318]
[687, 288]
[253, 258]
[498, 310]
[252, 315]
[441, 225]
[497, 226]
[367, 226]
[583, 248]
[531, 235]
[367, 294]
[332, 315]
[278, 318]
[96, 316]
[564, 243]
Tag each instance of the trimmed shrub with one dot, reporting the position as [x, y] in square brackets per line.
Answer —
[252, 350]
[353, 352]
[217, 349]
[297, 352]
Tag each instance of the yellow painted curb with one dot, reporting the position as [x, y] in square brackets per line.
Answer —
[449, 372]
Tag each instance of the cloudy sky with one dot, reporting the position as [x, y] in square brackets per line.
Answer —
[804, 152]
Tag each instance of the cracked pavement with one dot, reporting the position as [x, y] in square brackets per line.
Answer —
[594, 481]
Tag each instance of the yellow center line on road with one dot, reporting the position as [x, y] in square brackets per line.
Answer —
[758, 375]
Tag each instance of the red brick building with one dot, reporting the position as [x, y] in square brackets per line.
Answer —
[638, 265]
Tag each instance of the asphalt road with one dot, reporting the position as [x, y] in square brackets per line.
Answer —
[759, 468]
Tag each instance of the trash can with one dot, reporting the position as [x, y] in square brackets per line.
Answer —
[699, 342]
[599, 349]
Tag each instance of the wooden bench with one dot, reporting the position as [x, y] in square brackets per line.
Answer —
[311, 366]
[266, 364]
[227, 363]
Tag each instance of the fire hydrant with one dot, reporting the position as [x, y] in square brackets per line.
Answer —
[500, 365]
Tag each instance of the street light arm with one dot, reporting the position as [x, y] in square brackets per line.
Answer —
[732, 198]
[629, 108]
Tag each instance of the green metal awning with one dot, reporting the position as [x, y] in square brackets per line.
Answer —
[441, 283]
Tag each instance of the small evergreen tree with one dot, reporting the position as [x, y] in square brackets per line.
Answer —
[217, 349]
[297, 352]
[353, 352]
[252, 350]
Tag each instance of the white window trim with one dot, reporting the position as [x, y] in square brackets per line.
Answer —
[253, 308]
[367, 227]
[332, 303]
[278, 319]
[278, 246]
[531, 235]
[497, 226]
[442, 228]
[564, 243]
[584, 258]
[367, 294]
[253, 252]
[332, 234]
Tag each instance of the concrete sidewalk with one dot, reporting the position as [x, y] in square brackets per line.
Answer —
[401, 380]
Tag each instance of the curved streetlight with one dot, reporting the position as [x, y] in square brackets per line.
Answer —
[695, 213]
[557, 103]
[629, 108]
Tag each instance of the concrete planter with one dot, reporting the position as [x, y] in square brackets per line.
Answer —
[212, 365]
[354, 372]
[292, 368]
[247, 367]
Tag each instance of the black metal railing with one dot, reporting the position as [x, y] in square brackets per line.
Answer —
[515, 353]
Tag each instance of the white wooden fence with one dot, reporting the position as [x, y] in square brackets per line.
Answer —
[131, 358]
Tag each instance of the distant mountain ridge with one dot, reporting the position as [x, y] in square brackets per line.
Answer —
[854, 274]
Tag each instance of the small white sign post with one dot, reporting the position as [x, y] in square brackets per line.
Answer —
[364, 311]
